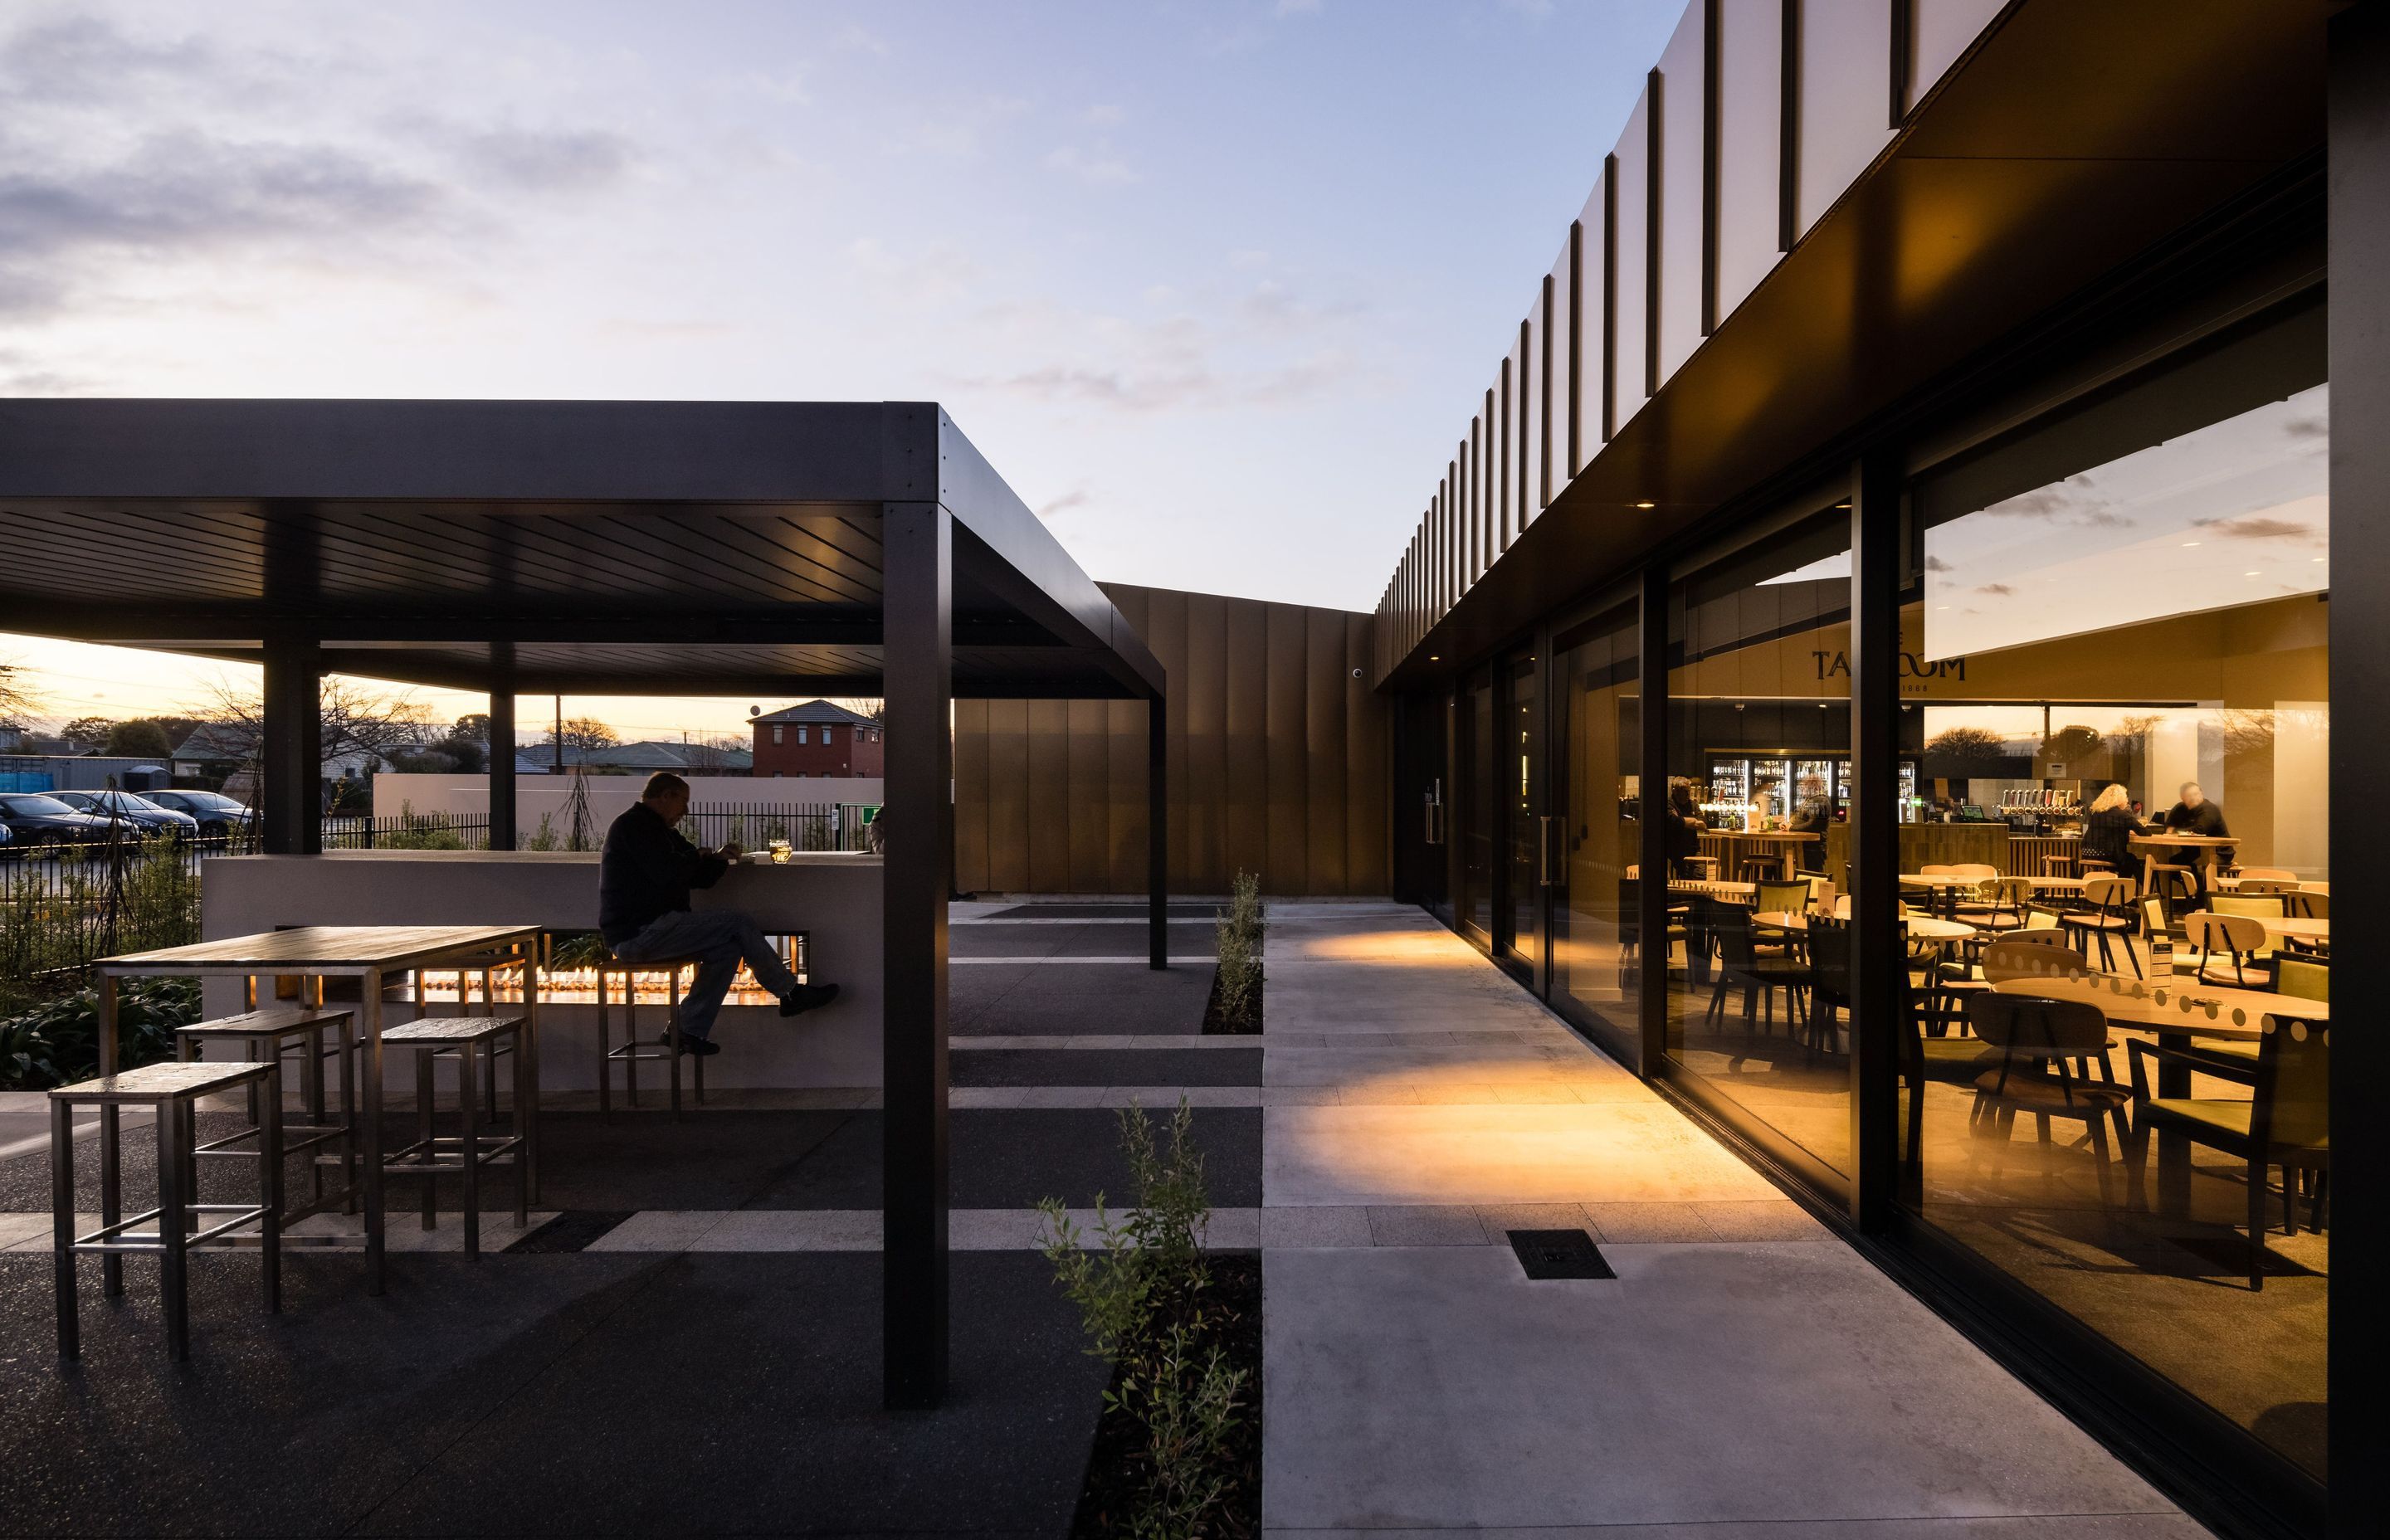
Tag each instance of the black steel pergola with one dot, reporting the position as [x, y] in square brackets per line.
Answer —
[589, 548]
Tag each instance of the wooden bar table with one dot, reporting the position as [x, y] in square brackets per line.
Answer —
[2202, 848]
[366, 953]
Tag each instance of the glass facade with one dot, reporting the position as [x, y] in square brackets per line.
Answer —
[1758, 743]
[2121, 618]
[2109, 792]
[1596, 950]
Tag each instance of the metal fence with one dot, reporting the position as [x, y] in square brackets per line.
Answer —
[63, 905]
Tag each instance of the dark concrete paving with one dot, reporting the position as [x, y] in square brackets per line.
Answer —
[1108, 1066]
[1073, 999]
[1073, 940]
[1007, 1158]
[587, 1395]
[1013, 1157]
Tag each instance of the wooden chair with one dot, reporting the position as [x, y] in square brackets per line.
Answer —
[1772, 896]
[2179, 886]
[2046, 1048]
[2155, 924]
[2286, 1123]
[1830, 980]
[2264, 874]
[2296, 979]
[2308, 905]
[1741, 967]
[2106, 912]
[1936, 1060]
[2228, 949]
[1999, 904]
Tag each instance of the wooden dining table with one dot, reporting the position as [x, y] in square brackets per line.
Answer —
[2181, 1014]
[369, 954]
[1919, 926]
[2291, 928]
[2203, 849]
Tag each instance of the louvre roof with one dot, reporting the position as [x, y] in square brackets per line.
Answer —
[618, 547]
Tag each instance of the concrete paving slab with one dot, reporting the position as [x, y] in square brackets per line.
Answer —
[1496, 1154]
[2084, 1526]
[1438, 1388]
[1426, 1224]
[1315, 1226]
[1635, 1223]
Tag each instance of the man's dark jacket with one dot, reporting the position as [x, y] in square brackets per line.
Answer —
[2207, 821]
[647, 870]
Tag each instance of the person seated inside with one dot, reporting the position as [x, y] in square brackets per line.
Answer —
[2195, 814]
[644, 878]
[2108, 830]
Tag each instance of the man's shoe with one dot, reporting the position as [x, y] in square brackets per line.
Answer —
[804, 997]
[702, 1048]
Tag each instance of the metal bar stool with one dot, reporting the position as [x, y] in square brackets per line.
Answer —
[634, 1052]
[172, 1091]
[488, 967]
[272, 1034]
[469, 1040]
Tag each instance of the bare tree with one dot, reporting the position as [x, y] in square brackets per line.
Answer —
[352, 721]
[1967, 744]
[17, 697]
[585, 733]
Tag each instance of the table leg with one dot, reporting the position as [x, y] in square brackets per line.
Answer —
[62, 1225]
[527, 1110]
[2174, 1150]
[112, 1206]
[371, 1007]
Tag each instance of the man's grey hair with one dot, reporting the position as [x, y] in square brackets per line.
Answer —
[664, 783]
[2187, 786]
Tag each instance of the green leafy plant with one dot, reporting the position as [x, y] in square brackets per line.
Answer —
[545, 837]
[1142, 1293]
[57, 1042]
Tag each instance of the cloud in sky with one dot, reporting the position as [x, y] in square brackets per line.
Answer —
[1097, 166]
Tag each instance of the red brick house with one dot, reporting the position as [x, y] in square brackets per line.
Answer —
[817, 739]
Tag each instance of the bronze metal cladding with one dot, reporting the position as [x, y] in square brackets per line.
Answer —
[1277, 756]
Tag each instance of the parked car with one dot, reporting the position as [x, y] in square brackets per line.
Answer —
[144, 816]
[217, 813]
[36, 819]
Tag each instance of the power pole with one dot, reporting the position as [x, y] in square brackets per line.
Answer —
[559, 734]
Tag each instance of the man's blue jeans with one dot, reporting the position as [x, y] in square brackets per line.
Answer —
[720, 938]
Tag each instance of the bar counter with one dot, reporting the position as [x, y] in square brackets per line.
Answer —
[1961, 844]
[833, 897]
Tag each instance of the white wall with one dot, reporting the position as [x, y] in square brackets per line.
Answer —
[469, 796]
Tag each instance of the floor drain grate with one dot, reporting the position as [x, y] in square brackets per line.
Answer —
[571, 1231]
[1559, 1255]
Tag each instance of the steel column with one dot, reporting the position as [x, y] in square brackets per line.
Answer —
[291, 755]
[2357, 174]
[1157, 832]
[1651, 799]
[1879, 954]
[502, 747]
[918, 587]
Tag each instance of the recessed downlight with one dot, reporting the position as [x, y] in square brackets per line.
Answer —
[1646, 504]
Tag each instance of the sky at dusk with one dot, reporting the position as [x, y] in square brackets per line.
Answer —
[1213, 284]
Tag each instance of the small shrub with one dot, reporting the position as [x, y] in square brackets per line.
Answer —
[58, 1042]
[1142, 1297]
[1237, 932]
[545, 837]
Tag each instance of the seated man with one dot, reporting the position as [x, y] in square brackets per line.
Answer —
[643, 882]
[2195, 814]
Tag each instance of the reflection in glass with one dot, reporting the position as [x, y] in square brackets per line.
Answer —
[1596, 952]
[2090, 638]
[1758, 746]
